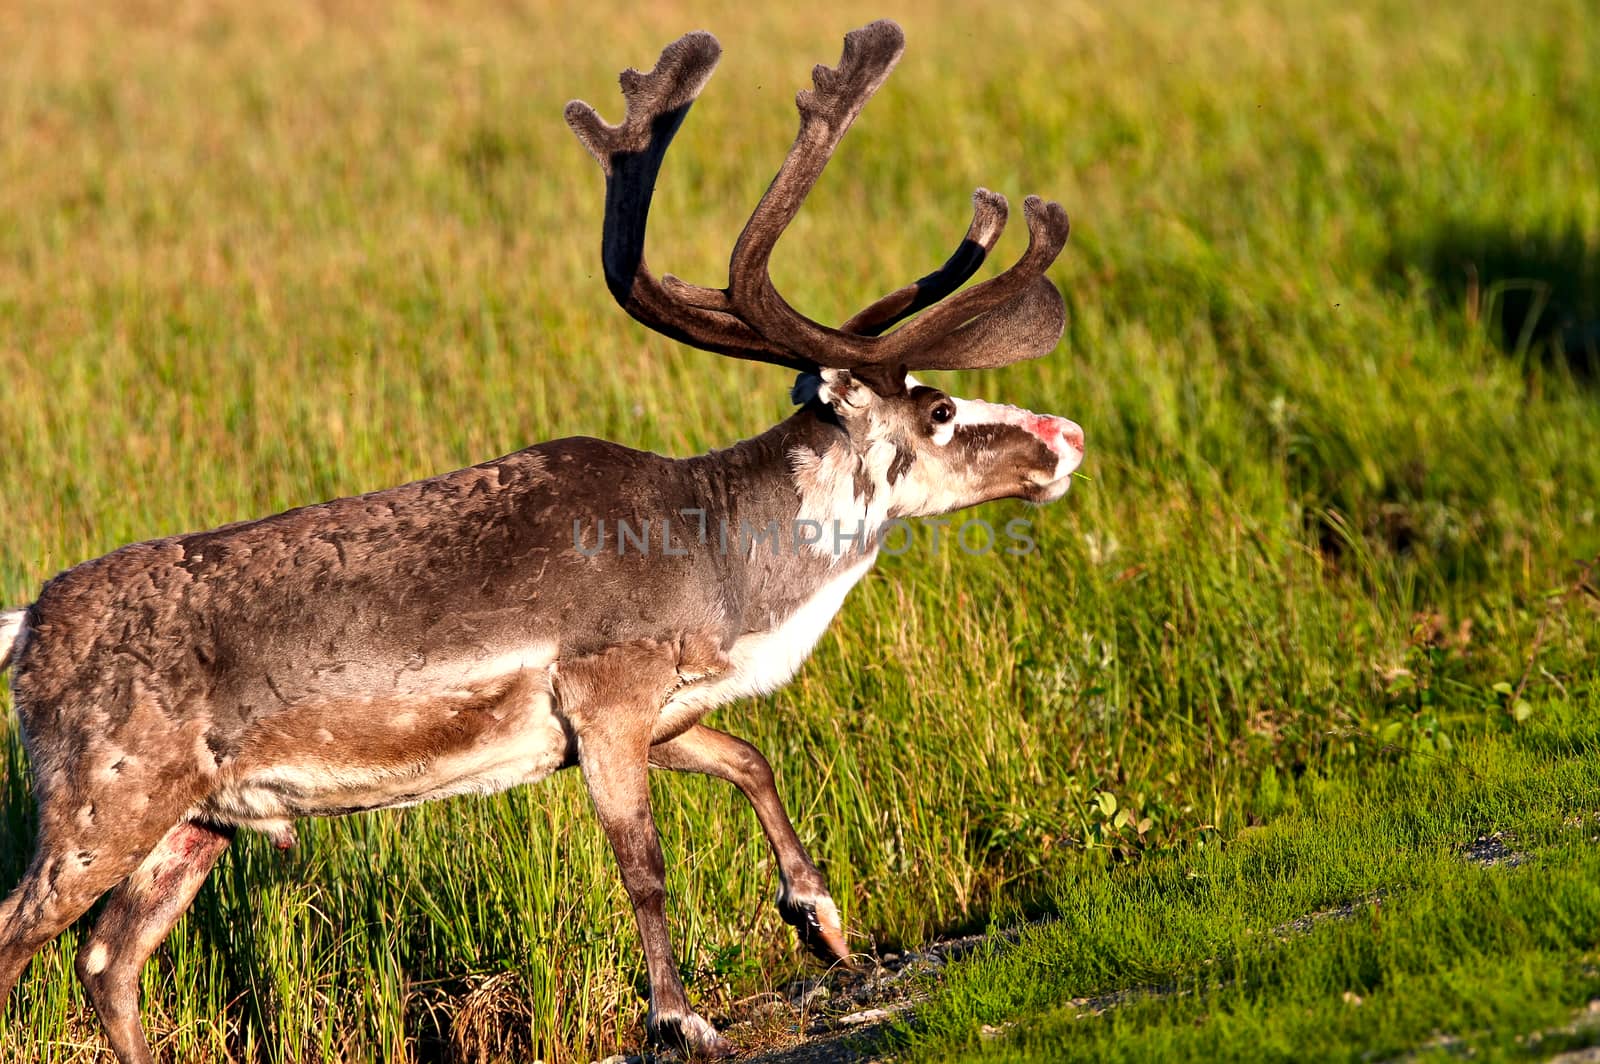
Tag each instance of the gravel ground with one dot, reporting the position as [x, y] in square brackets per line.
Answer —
[847, 1016]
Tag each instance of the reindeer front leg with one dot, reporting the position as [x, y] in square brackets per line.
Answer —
[612, 700]
[803, 899]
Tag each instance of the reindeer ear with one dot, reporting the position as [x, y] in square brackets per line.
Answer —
[807, 386]
[844, 392]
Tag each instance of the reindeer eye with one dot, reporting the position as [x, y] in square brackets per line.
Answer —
[942, 413]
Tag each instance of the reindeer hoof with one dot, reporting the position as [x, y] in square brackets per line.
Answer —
[690, 1035]
[816, 921]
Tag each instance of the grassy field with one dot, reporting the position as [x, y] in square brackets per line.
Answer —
[1319, 619]
[1373, 916]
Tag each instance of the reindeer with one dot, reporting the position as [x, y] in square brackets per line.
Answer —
[462, 635]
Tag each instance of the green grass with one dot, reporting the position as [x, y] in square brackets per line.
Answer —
[256, 258]
[1198, 956]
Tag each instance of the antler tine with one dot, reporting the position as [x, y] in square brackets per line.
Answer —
[659, 98]
[989, 212]
[630, 155]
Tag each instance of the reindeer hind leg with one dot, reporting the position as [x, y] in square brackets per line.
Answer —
[139, 915]
[61, 882]
[102, 810]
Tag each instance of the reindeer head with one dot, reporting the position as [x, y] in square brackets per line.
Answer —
[924, 452]
[906, 449]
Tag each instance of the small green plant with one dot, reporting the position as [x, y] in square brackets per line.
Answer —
[1120, 828]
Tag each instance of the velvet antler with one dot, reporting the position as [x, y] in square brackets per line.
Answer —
[1016, 315]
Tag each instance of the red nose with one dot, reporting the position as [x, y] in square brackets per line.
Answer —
[1057, 430]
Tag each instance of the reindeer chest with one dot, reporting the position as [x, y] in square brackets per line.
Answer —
[759, 662]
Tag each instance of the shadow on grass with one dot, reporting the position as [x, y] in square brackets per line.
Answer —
[1536, 292]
